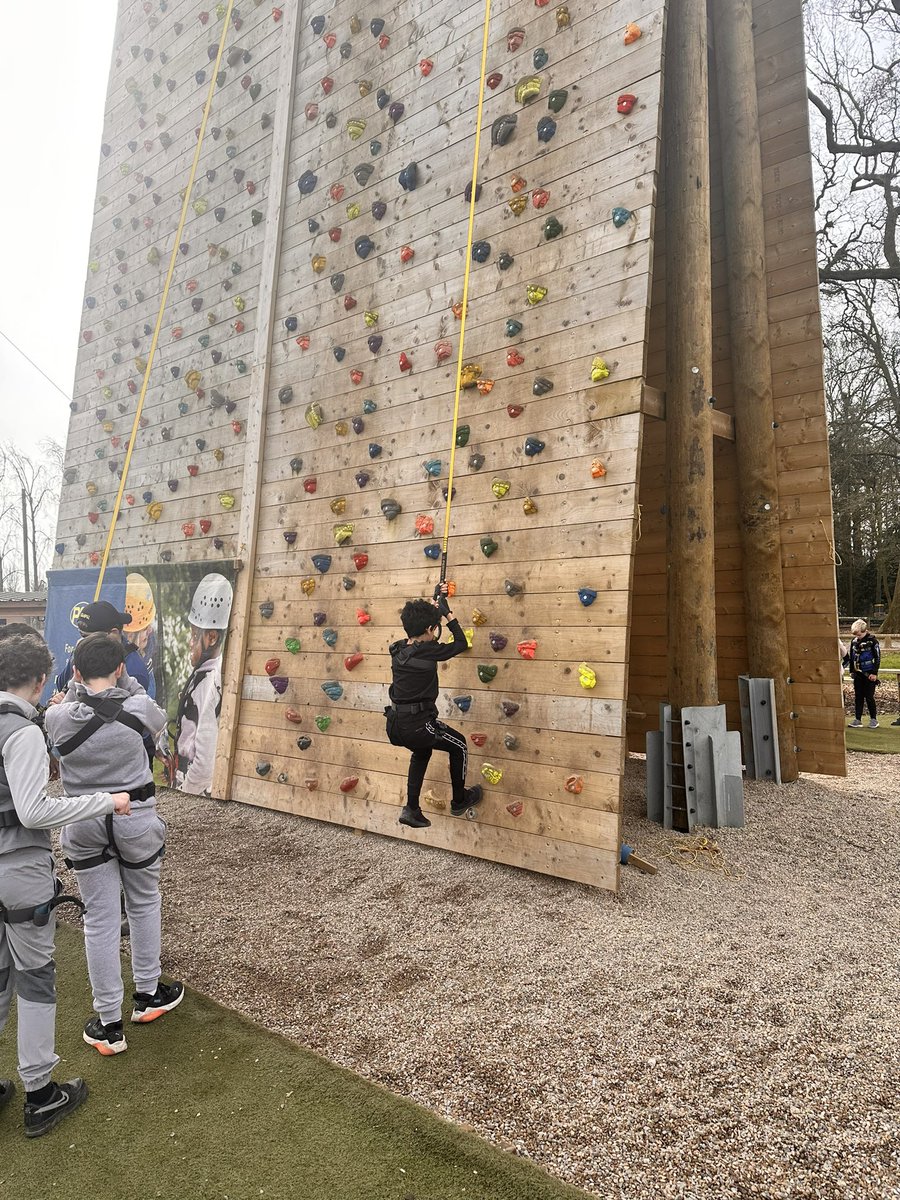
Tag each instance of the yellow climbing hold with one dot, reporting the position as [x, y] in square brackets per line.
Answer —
[491, 774]
[529, 507]
[470, 374]
[239, 303]
[338, 505]
[226, 499]
[587, 676]
[200, 206]
[219, 455]
[314, 416]
[528, 89]
[535, 293]
[308, 586]
[107, 426]
[153, 256]
[343, 534]
[500, 488]
[353, 211]
[370, 317]
[470, 637]
[599, 370]
[91, 488]
[478, 617]
[517, 205]
[193, 380]
[356, 127]
[318, 263]
[154, 510]
[341, 428]
[94, 266]
[140, 365]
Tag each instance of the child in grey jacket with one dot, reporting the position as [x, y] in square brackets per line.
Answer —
[29, 889]
[98, 736]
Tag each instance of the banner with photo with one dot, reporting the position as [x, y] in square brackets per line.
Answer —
[178, 629]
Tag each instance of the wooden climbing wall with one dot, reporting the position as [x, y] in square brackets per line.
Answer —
[299, 410]
[801, 435]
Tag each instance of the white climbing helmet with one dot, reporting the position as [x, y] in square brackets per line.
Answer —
[211, 605]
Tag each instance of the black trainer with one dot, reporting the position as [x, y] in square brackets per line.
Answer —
[166, 997]
[413, 817]
[108, 1039]
[7, 1091]
[66, 1097]
[474, 796]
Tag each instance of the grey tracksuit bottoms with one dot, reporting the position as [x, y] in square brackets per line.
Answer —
[138, 836]
[26, 963]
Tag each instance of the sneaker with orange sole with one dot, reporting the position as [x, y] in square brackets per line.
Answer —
[166, 997]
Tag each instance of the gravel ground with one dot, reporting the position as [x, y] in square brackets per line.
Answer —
[703, 1035]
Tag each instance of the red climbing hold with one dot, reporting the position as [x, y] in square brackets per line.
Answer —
[442, 350]
[327, 85]
[303, 341]
[424, 525]
[514, 410]
[291, 714]
[309, 485]
[356, 376]
[348, 784]
[478, 739]
[360, 560]
[205, 524]
[527, 649]
[272, 665]
[349, 303]
[407, 254]
[514, 359]
[426, 66]
[626, 102]
[405, 364]
[362, 617]
[353, 660]
[188, 528]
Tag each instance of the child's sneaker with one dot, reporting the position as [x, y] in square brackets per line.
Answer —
[66, 1097]
[108, 1039]
[7, 1091]
[856, 724]
[873, 724]
[473, 796]
[414, 817]
[148, 1008]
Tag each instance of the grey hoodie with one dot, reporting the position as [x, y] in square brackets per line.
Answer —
[114, 757]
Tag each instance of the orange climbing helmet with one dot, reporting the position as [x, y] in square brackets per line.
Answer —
[139, 602]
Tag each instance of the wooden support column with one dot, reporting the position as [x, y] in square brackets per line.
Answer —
[239, 626]
[689, 436]
[742, 190]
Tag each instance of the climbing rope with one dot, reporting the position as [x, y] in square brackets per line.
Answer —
[165, 296]
[701, 854]
[465, 296]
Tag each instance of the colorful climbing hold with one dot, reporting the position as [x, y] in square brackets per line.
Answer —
[330, 637]
[488, 546]
[500, 488]
[279, 684]
[514, 358]
[528, 89]
[290, 536]
[491, 774]
[272, 665]
[546, 129]
[433, 550]
[563, 20]
[332, 689]
[348, 784]
[516, 808]
[514, 410]
[405, 363]
[575, 785]
[529, 507]
[353, 660]
[322, 723]
[527, 649]
[463, 703]
[587, 677]
[424, 525]
[308, 586]
[626, 103]
[310, 484]
[374, 450]
[487, 672]
[292, 645]
[314, 416]
[533, 446]
[632, 33]
[599, 370]
[407, 254]
[478, 739]
[503, 129]
[498, 642]
[535, 293]
[360, 561]
[621, 216]
[514, 40]
[587, 596]
[342, 533]
[362, 617]
[540, 58]
[322, 562]
[598, 470]
[517, 205]
[514, 327]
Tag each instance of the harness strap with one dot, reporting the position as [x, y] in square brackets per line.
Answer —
[422, 706]
[106, 710]
[9, 819]
[112, 850]
[38, 914]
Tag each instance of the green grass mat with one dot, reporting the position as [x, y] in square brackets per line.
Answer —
[883, 740]
[205, 1104]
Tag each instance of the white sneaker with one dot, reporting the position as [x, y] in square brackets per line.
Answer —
[873, 724]
[855, 724]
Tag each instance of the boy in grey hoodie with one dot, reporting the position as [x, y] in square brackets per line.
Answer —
[98, 736]
[29, 889]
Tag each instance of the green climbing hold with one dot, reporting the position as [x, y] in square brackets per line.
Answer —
[488, 546]
[462, 436]
[322, 723]
[552, 228]
[292, 645]
[487, 672]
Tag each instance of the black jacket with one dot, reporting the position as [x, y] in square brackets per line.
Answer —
[414, 667]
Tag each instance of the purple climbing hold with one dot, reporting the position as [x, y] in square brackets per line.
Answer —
[357, 424]
[379, 208]
[290, 536]
[509, 708]
[374, 342]
[279, 683]
[362, 479]
[319, 618]
[498, 641]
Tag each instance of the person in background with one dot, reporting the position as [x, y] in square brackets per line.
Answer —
[863, 659]
[103, 617]
[29, 888]
[197, 720]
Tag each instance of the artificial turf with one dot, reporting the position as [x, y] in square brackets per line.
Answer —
[883, 740]
[205, 1104]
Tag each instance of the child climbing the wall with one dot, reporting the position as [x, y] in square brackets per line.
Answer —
[197, 721]
[98, 736]
[29, 889]
[412, 714]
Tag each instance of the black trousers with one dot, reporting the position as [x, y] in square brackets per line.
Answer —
[864, 693]
[423, 738]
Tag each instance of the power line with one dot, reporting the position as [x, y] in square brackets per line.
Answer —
[7, 338]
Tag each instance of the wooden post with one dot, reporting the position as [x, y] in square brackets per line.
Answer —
[767, 643]
[689, 439]
[236, 648]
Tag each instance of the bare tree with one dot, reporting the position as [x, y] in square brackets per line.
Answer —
[38, 483]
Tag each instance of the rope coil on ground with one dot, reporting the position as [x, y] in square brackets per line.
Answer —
[701, 854]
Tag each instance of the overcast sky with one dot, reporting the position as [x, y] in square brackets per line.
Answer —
[52, 94]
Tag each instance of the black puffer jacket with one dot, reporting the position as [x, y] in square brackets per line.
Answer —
[414, 667]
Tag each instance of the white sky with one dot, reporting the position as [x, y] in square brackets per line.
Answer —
[52, 95]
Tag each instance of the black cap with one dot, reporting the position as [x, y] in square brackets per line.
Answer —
[101, 617]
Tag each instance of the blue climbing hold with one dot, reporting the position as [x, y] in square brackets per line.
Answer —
[329, 637]
[374, 450]
[463, 703]
[433, 551]
[332, 689]
[321, 562]
[533, 446]
[587, 596]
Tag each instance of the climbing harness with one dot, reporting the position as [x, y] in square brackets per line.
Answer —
[111, 849]
[164, 299]
[106, 709]
[473, 188]
[38, 914]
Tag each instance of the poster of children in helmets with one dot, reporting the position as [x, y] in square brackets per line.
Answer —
[173, 620]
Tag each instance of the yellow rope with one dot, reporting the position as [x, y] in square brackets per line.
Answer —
[465, 296]
[165, 296]
[701, 854]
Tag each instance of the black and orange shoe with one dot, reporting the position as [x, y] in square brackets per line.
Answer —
[108, 1039]
[166, 997]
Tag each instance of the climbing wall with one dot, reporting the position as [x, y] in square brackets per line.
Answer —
[801, 435]
[360, 404]
[183, 487]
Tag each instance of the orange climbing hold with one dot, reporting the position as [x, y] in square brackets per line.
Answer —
[632, 33]
[527, 649]
[424, 525]
[353, 660]
[598, 470]
[575, 785]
